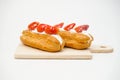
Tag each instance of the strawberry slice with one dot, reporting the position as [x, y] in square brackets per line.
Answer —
[78, 29]
[33, 25]
[41, 27]
[69, 27]
[85, 27]
[54, 30]
[48, 29]
[60, 25]
[51, 30]
[81, 28]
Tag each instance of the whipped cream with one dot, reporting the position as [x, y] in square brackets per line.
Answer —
[62, 29]
[73, 31]
[35, 31]
[86, 33]
[58, 38]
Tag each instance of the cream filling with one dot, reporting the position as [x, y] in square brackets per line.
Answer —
[73, 31]
[58, 38]
[62, 29]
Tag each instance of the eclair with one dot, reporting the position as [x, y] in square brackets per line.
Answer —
[77, 37]
[54, 38]
[43, 37]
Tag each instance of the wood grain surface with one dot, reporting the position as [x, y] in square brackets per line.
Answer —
[25, 52]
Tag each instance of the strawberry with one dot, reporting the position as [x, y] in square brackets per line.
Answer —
[60, 25]
[54, 30]
[81, 28]
[33, 25]
[41, 27]
[78, 29]
[70, 26]
[51, 30]
[85, 27]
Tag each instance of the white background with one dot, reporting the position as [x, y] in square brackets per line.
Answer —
[103, 16]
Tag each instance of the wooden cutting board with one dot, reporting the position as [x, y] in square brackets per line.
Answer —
[25, 52]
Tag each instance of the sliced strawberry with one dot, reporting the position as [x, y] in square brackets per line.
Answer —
[81, 28]
[85, 27]
[54, 30]
[41, 27]
[60, 25]
[48, 29]
[78, 29]
[33, 25]
[70, 26]
[51, 30]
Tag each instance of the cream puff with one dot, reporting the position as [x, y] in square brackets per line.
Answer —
[76, 37]
[43, 37]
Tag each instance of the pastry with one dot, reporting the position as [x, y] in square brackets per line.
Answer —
[43, 37]
[54, 38]
[76, 38]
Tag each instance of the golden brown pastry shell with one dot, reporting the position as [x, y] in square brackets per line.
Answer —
[44, 42]
[76, 40]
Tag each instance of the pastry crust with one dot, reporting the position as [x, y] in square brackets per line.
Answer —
[44, 42]
[76, 40]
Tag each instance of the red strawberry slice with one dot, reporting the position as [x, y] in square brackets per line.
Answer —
[48, 29]
[60, 25]
[81, 28]
[51, 30]
[41, 27]
[69, 27]
[78, 29]
[85, 27]
[33, 25]
[54, 30]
